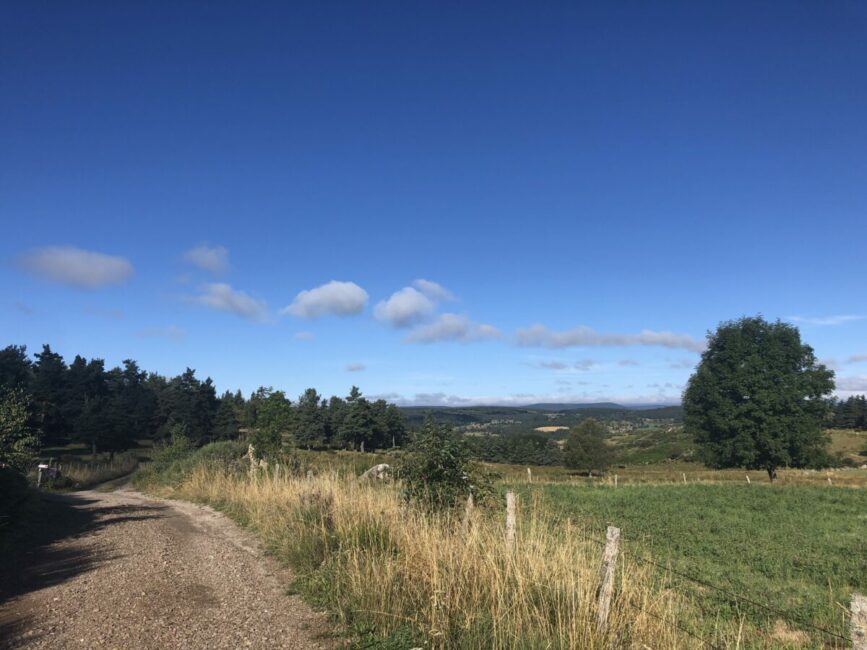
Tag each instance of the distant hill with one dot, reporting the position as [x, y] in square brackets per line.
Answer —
[597, 405]
[572, 407]
[520, 419]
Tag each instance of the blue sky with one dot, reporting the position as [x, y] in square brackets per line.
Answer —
[495, 202]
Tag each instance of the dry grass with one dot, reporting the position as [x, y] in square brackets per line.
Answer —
[407, 575]
[84, 474]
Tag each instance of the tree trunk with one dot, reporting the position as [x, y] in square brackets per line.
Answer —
[772, 473]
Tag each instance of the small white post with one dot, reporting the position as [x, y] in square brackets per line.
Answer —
[39, 477]
[468, 513]
[362, 446]
[748, 480]
[858, 622]
[606, 577]
[684, 476]
[251, 454]
[829, 481]
[615, 480]
[529, 475]
[510, 519]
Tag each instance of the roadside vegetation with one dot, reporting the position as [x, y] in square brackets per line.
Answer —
[400, 573]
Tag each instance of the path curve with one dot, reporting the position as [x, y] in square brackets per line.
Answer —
[133, 571]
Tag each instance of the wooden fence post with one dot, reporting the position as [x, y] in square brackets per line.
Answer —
[748, 479]
[684, 476]
[606, 577]
[615, 480]
[529, 475]
[468, 513]
[858, 622]
[510, 519]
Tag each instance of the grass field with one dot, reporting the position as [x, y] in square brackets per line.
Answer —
[799, 549]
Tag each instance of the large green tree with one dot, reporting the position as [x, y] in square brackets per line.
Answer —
[758, 398]
[585, 448]
[275, 423]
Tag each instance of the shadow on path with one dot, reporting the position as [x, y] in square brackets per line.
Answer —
[39, 560]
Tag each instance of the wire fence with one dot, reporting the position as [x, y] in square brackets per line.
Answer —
[786, 615]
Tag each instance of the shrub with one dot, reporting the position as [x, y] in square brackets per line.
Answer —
[437, 470]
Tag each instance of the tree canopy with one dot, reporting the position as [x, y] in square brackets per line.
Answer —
[758, 398]
[585, 448]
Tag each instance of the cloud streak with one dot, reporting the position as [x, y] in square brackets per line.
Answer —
[213, 259]
[172, 332]
[452, 327]
[76, 267]
[827, 320]
[223, 297]
[433, 290]
[355, 367]
[540, 336]
[331, 299]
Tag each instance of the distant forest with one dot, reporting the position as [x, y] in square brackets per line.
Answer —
[851, 413]
[111, 409]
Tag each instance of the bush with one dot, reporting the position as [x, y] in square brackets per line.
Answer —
[437, 470]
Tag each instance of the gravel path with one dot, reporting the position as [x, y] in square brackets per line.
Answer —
[129, 571]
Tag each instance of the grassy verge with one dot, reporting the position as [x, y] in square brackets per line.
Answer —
[796, 548]
[396, 577]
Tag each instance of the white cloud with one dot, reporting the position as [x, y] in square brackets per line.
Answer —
[172, 332]
[404, 308]
[213, 259]
[452, 327]
[305, 336]
[334, 298]
[355, 367]
[852, 384]
[827, 320]
[433, 290]
[857, 358]
[628, 363]
[541, 336]
[223, 297]
[76, 267]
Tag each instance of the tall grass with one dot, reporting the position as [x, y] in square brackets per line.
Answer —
[401, 575]
[85, 474]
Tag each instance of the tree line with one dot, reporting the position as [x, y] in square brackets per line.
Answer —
[851, 413]
[109, 409]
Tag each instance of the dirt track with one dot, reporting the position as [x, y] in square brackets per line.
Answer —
[128, 571]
